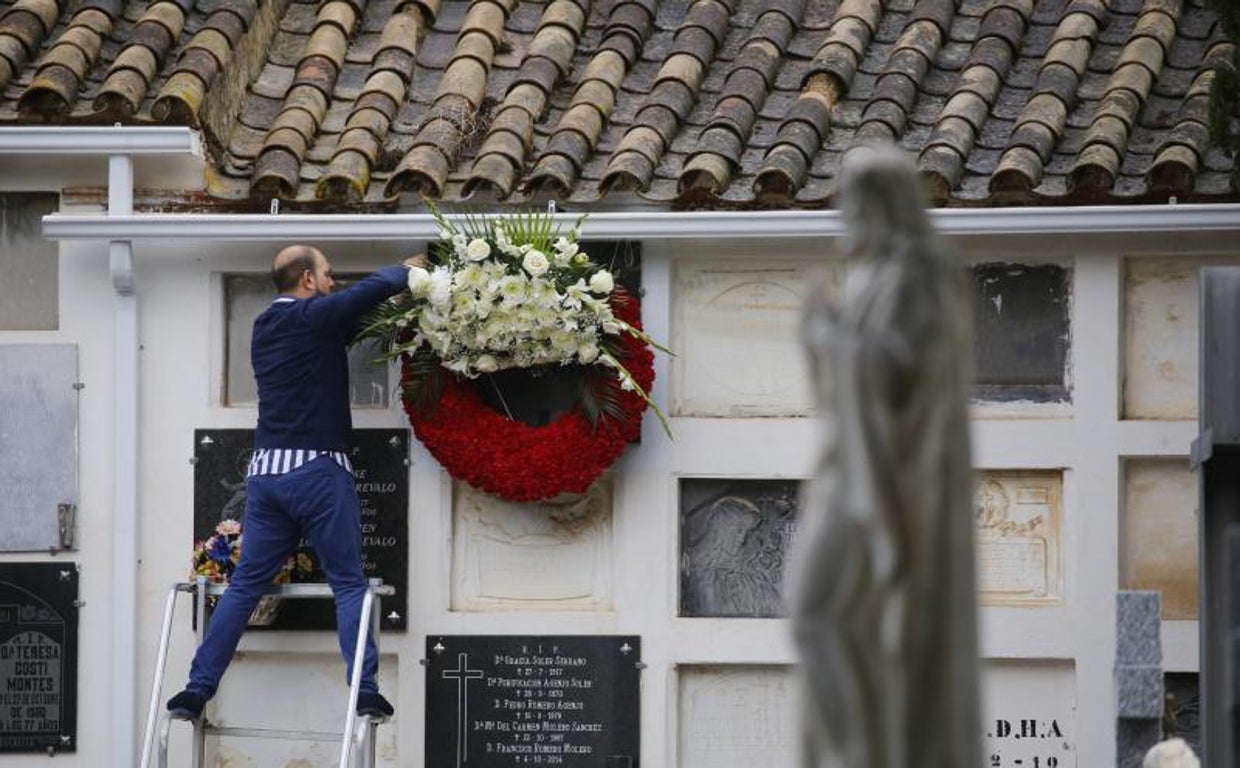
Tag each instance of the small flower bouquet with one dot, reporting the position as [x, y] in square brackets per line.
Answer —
[218, 555]
[216, 558]
[516, 292]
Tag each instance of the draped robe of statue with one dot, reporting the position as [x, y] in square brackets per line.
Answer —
[882, 595]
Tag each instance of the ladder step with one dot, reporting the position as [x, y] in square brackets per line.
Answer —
[275, 733]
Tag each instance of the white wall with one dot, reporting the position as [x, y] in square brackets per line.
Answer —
[181, 336]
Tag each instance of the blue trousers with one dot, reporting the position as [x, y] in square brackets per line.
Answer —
[317, 500]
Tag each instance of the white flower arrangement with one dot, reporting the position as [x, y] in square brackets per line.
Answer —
[508, 292]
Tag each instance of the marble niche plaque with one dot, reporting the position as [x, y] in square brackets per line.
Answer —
[1161, 333]
[494, 701]
[735, 331]
[381, 477]
[1029, 714]
[736, 716]
[38, 657]
[541, 556]
[1160, 533]
[734, 536]
[38, 446]
[1018, 525]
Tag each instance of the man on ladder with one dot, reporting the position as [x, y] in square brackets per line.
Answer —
[300, 481]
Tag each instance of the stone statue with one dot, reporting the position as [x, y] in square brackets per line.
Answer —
[882, 596]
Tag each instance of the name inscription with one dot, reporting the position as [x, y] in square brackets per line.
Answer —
[38, 657]
[498, 701]
[381, 478]
[1044, 744]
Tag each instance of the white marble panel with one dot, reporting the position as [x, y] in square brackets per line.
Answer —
[1161, 333]
[736, 717]
[1018, 517]
[735, 334]
[545, 556]
[1029, 714]
[742, 716]
[293, 691]
[1160, 533]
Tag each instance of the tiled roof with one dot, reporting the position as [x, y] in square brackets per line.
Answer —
[689, 103]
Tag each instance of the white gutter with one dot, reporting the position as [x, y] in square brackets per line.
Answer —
[94, 140]
[120, 145]
[647, 225]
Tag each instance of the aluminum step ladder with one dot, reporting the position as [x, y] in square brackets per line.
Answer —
[357, 739]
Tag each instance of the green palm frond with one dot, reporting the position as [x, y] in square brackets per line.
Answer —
[423, 385]
[600, 398]
[381, 322]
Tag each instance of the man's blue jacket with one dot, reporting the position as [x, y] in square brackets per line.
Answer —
[299, 354]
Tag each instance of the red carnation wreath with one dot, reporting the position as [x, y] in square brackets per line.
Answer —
[523, 463]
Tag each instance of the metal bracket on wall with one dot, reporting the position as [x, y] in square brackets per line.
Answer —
[66, 519]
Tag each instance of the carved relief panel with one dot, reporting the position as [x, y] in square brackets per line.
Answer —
[735, 332]
[734, 536]
[1018, 518]
[547, 556]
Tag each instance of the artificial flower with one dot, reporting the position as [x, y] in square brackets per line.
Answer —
[602, 282]
[419, 281]
[478, 249]
[535, 262]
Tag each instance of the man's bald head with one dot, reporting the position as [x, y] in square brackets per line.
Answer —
[291, 263]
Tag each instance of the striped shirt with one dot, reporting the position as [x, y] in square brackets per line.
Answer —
[280, 461]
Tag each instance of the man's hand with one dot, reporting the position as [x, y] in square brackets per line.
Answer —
[418, 260]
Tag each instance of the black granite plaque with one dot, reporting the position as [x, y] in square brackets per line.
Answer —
[380, 467]
[1021, 325]
[500, 701]
[38, 657]
[734, 536]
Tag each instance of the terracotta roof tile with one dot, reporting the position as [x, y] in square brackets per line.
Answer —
[1183, 147]
[693, 103]
[1139, 64]
[511, 134]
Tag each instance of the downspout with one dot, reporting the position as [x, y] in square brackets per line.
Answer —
[119, 144]
[125, 466]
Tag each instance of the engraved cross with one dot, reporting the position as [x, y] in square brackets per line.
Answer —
[462, 674]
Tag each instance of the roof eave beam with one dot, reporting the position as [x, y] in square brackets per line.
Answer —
[1165, 219]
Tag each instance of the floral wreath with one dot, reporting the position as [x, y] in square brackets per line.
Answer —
[512, 293]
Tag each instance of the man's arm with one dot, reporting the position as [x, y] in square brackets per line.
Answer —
[345, 309]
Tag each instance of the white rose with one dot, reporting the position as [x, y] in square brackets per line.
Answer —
[419, 281]
[587, 352]
[602, 282]
[580, 260]
[535, 262]
[486, 364]
[478, 249]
